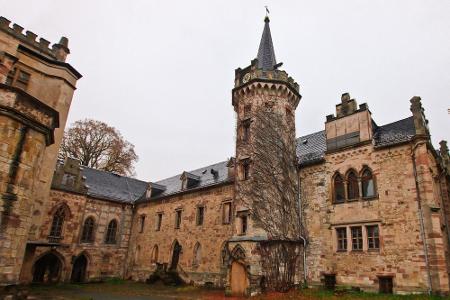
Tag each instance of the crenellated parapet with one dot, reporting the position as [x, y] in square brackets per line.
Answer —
[58, 51]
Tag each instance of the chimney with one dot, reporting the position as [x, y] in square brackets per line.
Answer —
[61, 49]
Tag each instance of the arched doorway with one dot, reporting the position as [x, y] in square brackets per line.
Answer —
[47, 269]
[175, 255]
[239, 280]
[79, 269]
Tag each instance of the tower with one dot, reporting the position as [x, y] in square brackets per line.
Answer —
[266, 208]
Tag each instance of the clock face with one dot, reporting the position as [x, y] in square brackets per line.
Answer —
[246, 78]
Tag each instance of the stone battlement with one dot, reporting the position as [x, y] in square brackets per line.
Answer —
[58, 51]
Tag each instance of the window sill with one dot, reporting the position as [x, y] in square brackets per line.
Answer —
[357, 250]
[370, 198]
[374, 250]
[341, 251]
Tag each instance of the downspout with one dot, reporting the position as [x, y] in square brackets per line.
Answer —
[422, 226]
[301, 221]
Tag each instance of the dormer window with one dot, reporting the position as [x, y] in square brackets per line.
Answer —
[154, 189]
[189, 180]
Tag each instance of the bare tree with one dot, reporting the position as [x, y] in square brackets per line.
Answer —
[272, 196]
[100, 146]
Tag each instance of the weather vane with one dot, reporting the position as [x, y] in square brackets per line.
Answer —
[267, 11]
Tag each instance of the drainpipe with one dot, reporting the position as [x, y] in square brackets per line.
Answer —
[301, 220]
[422, 226]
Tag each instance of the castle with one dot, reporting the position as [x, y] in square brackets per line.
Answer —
[372, 200]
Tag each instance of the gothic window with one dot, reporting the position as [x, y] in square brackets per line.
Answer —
[87, 235]
[141, 223]
[18, 78]
[226, 213]
[341, 234]
[111, 232]
[352, 186]
[368, 184]
[177, 219]
[159, 217]
[357, 239]
[154, 257]
[200, 215]
[244, 224]
[339, 189]
[373, 237]
[197, 254]
[58, 222]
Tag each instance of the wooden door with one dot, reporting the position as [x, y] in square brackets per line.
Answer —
[239, 280]
[386, 285]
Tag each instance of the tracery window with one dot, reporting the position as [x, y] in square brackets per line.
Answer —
[352, 186]
[339, 189]
[58, 222]
[111, 232]
[87, 235]
[368, 184]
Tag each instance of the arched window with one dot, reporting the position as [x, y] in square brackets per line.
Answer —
[339, 189]
[352, 186]
[137, 254]
[368, 184]
[197, 254]
[155, 254]
[88, 231]
[111, 232]
[58, 222]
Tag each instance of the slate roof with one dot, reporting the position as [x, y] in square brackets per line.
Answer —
[266, 53]
[311, 148]
[110, 186]
[173, 184]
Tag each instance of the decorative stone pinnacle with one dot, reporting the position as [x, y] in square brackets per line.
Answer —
[444, 148]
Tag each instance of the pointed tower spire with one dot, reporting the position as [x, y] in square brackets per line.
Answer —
[266, 54]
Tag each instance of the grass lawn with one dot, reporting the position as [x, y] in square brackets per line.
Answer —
[124, 290]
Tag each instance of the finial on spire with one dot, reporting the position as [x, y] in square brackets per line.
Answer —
[266, 18]
[266, 53]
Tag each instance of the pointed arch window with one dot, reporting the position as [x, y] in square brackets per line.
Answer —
[58, 222]
[87, 235]
[339, 189]
[368, 184]
[197, 254]
[111, 232]
[352, 186]
[154, 257]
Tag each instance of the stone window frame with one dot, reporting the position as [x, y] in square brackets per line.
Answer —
[246, 130]
[142, 223]
[110, 235]
[357, 239]
[230, 212]
[345, 183]
[341, 240]
[55, 234]
[365, 240]
[243, 215]
[375, 238]
[159, 220]
[91, 239]
[155, 254]
[351, 195]
[197, 255]
[245, 168]
[200, 207]
[178, 218]
[14, 78]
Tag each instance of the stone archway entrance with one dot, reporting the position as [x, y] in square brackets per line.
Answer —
[239, 279]
[175, 255]
[79, 269]
[47, 269]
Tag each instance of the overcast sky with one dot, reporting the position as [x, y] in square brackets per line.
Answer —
[162, 71]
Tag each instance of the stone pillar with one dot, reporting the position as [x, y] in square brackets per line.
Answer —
[26, 129]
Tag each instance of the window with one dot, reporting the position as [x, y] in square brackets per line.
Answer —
[111, 232]
[247, 110]
[88, 231]
[154, 257]
[68, 180]
[197, 254]
[246, 131]
[368, 185]
[200, 215]
[357, 240]
[245, 170]
[244, 225]
[142, 224]
[341, 234]
[339, 189]
[352, 186]
[226, 213]
[18, 78]
[58, 222]
[177, 219]
[373, 237]
[159, 217]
